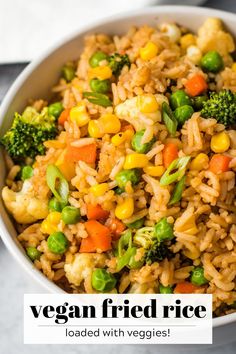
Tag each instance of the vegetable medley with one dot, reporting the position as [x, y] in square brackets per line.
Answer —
[125, 181]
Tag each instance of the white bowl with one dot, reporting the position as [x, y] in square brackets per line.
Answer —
[37, 79]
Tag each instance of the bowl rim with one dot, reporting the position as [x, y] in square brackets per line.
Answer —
[12, 92]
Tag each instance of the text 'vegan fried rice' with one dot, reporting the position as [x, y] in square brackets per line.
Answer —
[134, 78]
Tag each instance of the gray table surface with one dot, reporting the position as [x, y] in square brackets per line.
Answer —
[15, 282]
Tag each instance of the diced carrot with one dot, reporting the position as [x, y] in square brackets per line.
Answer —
[84, 153]
[96, 212]
[185, 288]
[116, 227]
[196, 85]
[68, 170]
[64, 116]
[170, 153]
[99, 234]
[87, 245]
[66, 167]
[219, 163]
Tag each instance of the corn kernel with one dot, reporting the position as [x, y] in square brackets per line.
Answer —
[110, 123]
[100, 72]
[155, 171]
[79, 115]
[135, 161]
[147, 103]
[234, 67]
[125, 210]
[50, 224]
[46, 228]
[118, 139]
[220, 142]
[122, 137]
[149, 51]
[99, 189]
[187, 40]
[200, 162]
[54, 217]
[94, 129]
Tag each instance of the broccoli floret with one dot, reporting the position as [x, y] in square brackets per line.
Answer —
[117, 62]
[155, 249]
[157, 252]
[221, 106]
[28, 132]
[144, 237]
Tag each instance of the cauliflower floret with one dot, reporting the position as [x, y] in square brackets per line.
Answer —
[25, 206]
[211, 36]
[130, 112]
[83, 265]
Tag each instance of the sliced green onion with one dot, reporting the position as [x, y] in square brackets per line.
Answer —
[169, 119]
[178, 191]
[126, 252]
[125, 259]
[136, 224]
[125, 240]
[57, 183]
[133, 264]
[175, 171]
[98, 98]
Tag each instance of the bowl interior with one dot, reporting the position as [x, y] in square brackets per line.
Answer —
[37, 79]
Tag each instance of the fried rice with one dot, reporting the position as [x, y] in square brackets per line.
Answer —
[203, 220]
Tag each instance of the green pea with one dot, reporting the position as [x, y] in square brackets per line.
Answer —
[96, 58]
[124, 176]
[118, 190]
[212, 62]
[102, 280]
[55, 205]
[27, 172]
[163, 230]
[136, 224]
[33, 253]
[55, 109]
[179, 98]
[138, 146]
[101, 86]
[68, 72]
[165, 289]
[197, 276]
[57, 243]
[183, 113]
[198, 102]
[70, 215]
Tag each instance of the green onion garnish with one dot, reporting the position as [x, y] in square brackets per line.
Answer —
[175, 171]
[57, 183]
[98, 98]
[169, 119]
[178, 191]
